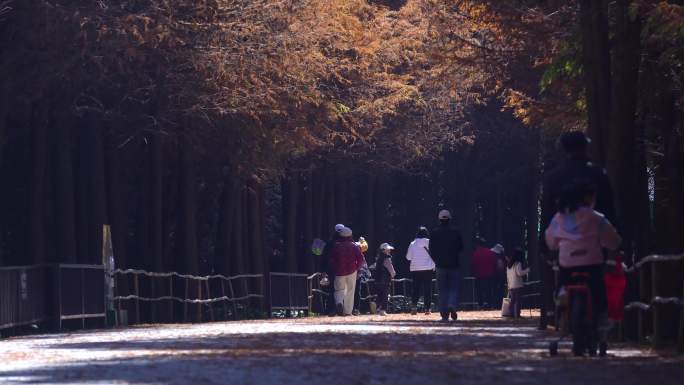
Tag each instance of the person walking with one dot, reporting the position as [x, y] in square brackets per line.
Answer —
[484, 271]
[347, 259]
[329, 270]
[577, 167]
[515, 271]
[446, 245]
[422, 269]
[580, 234]
[385, 273]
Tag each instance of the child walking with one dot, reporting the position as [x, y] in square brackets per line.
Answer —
[515, 271]
[385, 273]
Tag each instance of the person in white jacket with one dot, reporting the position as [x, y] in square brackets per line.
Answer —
[580, 235]
[515, 271]
[422, 270]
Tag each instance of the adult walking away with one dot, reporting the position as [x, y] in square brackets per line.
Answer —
[515, 271]
[577, 168]
[384, 274]
[484, 270]
[446, 245]
[347, 259]
[422, 269]
[328, 269]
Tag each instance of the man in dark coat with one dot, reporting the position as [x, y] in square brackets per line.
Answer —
[577, 168]
[327, 267]
[446, 245]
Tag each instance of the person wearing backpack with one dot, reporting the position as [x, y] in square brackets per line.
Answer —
[422, 269]
[328, 269]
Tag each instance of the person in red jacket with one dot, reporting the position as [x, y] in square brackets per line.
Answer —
[484, 270]
[347, 259]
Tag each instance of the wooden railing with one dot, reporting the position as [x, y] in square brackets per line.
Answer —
[655, 299]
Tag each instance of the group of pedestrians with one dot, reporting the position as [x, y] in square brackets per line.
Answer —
[430, 254]
[577, 194]
[347, 271]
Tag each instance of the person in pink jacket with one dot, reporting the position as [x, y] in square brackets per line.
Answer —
[580, 235]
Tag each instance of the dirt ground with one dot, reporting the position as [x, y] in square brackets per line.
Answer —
[480, 348]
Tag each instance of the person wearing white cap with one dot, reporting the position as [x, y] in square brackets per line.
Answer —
[446, 245]
[385, 273]
[347, 259]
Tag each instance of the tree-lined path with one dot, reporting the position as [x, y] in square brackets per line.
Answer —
[398, 349]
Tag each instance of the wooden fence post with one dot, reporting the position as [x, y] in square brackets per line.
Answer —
[210, 304]
[681, 321]
[223, 302]
[643, 295]
[185, 304]
[153, 304]
[199, 304]
[171, 312]
[655, 308]
[232, 296]
[137, 301]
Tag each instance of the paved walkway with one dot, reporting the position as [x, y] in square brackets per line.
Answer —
[399, 349]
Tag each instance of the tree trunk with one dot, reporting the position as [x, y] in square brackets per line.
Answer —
[82, 199]
[643, 223]
[64, 193]
[96, 190]
[187, 224]
[622, 149]
[596, 59]
[224, 244]
[156, 201]
[370, 213]
[4, 108]
[318, 184]
[143, 249]
[36, 234]
[671, 198]
[330, 196]
[310, 265]
[238, 262]
[255, 228]
[290, 198]
[117, 217]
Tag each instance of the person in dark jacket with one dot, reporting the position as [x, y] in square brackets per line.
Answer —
[327, 267]
[384, 270]
[446, 245]
[576, 169]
